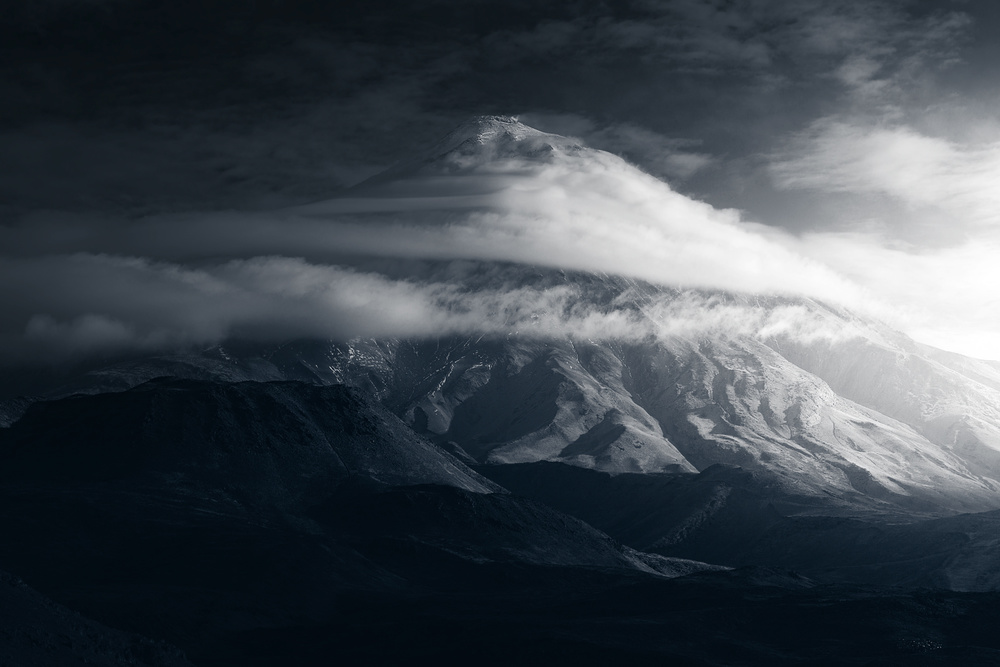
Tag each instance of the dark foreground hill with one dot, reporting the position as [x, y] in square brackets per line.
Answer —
[740, 518]
[201, 513]
[285, 523]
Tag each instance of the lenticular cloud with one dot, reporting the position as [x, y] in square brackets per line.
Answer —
[493, 191]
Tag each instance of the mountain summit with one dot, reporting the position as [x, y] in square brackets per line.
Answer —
[487, 131]
[479, 144]
[485, 139]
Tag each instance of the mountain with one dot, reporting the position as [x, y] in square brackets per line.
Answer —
[477, 145]
[289, 447]
[11, 409]
[565, 462]
[832, 402]
[619, 373]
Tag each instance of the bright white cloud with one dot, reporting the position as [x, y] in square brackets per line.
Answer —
[945, 297]
[917, 170]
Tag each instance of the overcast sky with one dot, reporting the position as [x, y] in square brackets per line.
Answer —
[858, 139]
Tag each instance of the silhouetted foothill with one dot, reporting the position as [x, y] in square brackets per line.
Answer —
[283, 443]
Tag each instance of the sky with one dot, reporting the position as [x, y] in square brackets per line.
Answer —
[155, 158]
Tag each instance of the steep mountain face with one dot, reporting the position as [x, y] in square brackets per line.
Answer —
[951, 401]
[682, 404]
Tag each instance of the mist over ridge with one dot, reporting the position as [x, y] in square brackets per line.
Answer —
[493, 190]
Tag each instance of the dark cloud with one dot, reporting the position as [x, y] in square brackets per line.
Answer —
[296, 99]
[132, 132]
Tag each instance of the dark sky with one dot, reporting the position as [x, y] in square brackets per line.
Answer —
[866, 130]
[160, 103]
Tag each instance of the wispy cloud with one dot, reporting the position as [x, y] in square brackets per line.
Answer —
[92, 283]
[932, 248]
[946, 297]
[576, 209]
[898, 161]
[92, 304]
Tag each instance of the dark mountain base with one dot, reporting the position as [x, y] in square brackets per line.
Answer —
[440, 575]
[34, 630]
[566, 617]
[287, 524]
[733, 517]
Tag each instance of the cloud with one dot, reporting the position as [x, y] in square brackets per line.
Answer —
[85, 304]
[400, 265]
[930, 247]
[898, 161]
[572, 208]
[98, 304]
[946, 297]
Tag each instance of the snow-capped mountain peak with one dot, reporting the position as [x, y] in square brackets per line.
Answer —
[478, 143]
